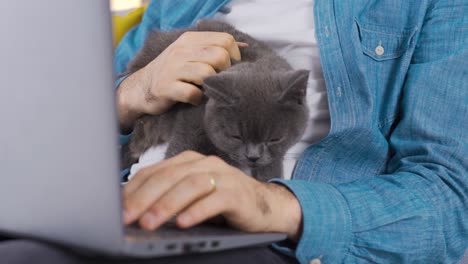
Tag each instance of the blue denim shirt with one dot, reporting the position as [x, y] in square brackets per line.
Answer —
[389, 184]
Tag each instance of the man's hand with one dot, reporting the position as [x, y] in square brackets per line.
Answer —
[174, 75]
[183, 186]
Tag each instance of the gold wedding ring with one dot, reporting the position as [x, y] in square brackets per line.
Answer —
[213, 184]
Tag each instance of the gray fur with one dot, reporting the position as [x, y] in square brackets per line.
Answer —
[255, 110]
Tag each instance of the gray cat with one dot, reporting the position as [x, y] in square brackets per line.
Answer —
[252, 112]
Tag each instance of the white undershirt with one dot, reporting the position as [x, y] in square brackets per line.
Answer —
[288, 28]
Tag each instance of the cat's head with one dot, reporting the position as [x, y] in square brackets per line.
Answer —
[255, 117]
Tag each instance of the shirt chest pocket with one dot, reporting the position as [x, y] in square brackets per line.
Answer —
[384, 55]
[384, 43]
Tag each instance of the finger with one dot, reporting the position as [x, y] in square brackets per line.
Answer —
[184, 92]
[142, 175]
[140, 200]
[185, 192]
[159, 182]
[242, 44]
[229, 43]
[217, 57]
[203, 209]
[208, 38]
[195, 72]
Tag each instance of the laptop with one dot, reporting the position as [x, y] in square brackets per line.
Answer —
[59, 152]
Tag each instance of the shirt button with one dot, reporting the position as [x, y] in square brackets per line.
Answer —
[225, 10]
[315, 261]
[379, 50]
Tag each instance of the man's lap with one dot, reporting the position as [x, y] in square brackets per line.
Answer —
[25, 251]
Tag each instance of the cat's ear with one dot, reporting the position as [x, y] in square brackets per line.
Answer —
[295, 87]
[218, 87]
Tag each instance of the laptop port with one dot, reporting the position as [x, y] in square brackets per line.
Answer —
[201, 244]
[214, 244]
[171, 247]
[189, 248]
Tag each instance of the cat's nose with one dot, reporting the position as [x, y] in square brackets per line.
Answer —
[253, 159]
[253, 152]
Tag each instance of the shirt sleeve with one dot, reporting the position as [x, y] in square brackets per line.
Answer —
[134, 39]
[417, 213]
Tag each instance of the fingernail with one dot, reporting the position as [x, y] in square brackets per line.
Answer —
[242, 44]
[197, 101]
[185, 219]
[148, 220]
[126, 216]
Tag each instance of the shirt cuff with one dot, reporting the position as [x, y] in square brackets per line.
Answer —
[124, 139]
[326, 216]
[124, 175]
[120, 80]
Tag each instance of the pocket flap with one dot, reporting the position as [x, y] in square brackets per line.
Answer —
[382, 43]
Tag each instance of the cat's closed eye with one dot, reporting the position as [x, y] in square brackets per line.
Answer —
[236, 137]
[275, 140]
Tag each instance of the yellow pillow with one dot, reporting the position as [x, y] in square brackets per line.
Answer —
[122, 24]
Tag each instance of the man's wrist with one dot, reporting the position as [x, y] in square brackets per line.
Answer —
[127, 108]
[286, 211]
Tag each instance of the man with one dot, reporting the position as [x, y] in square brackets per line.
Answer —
[388, 183]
